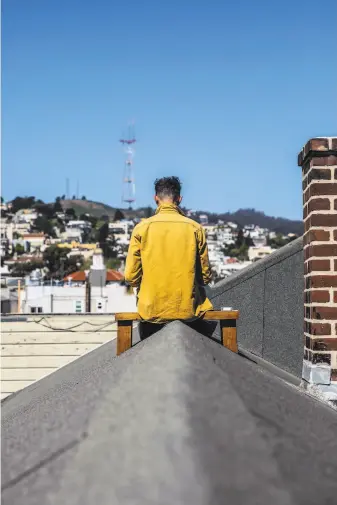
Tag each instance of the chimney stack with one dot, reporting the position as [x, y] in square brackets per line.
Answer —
[318, 160]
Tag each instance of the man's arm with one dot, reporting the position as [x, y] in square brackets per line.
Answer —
[133, 268]
[206, 271]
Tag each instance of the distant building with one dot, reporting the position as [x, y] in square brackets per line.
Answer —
[203, 218]
[256, 253]
[121, 231]
[107, 293]
[33, 241]
[6, 238]
[25, 216]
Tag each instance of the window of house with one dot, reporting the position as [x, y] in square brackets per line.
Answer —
[35, 310]
[78, 306]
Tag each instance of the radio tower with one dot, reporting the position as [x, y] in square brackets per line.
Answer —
[129, 187]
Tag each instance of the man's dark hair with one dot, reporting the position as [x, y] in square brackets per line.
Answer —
[168, 187]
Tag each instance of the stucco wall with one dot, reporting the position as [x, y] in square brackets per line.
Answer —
[35, 346]
[269, 296]
[62, 299]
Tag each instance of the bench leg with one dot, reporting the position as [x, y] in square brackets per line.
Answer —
[124, 336]
[228, 334]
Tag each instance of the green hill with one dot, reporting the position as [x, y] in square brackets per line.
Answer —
[98, 209]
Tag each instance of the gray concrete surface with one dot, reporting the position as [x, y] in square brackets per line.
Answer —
[269, 296]
[177, 419]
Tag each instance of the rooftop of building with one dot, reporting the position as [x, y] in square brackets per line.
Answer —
[80, 276]
[177, 419]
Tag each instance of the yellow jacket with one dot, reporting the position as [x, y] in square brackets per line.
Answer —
[168, 261]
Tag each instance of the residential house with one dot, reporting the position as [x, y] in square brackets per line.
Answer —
[105, 292]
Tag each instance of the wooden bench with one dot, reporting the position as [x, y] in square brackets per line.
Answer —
[227, 324]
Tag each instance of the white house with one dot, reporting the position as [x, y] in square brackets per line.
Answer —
[107, 293]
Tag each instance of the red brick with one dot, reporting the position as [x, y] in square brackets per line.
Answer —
[316, 235]
[321, 344]
[308, 252]
[325, 220]
[318, 266]
[323, 281]
[305, 211]
[300, 159]
[319, 296]
[320, 328]
[335, 265]
[320, 357]
[321, 250]
[324, 161]
[316, 144]
[306, 167]
[324, 313]
[318, 174]
[318, 204]
[321, 189]
[335, 297]
[335, 235]
[334, 143]
[333, 375]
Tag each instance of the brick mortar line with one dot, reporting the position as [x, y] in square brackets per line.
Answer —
[315, 197]
[325, 272]
[320, 167]
[321, 213]
[317, 337]
[329, 305]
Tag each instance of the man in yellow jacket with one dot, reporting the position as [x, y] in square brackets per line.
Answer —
[168, 260]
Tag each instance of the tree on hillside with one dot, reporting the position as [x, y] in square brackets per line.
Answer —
[23, 269]
[19, 249]
[26, 202]
[119, 215]
[70, 213]
[59, 264]
[45, 209]
[57, 205]
[2, 199]
[113, 263]
[106, 241]
[279, 241]
[83, 197]
[63, 197]
[240, 248]
[42, 224]
[74, 197]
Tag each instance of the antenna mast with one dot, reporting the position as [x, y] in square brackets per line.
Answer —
[129, 187]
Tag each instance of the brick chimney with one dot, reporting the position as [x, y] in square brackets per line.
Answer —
[318, 160]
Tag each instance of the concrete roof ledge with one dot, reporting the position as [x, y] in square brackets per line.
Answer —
[164, 423]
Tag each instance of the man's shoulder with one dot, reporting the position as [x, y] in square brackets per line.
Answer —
[181, 218]
[141, 226]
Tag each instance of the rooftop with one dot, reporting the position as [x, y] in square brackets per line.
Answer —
[111, 276]
[178, 419]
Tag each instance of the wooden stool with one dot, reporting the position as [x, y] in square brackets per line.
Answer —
[227, 324]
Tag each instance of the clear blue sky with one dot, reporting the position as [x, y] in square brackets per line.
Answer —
[224, 94]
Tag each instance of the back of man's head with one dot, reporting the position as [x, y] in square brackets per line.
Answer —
[168, 189]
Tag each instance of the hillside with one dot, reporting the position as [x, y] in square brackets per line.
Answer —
[242, 216]
[98, 209]
[251, 216]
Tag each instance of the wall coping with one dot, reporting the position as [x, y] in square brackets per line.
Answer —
[258, 267]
